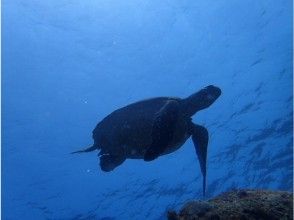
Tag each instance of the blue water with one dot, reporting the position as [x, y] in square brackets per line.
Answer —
[66, 64]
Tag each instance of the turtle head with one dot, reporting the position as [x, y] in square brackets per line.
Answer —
[201, 99]
[206, 96]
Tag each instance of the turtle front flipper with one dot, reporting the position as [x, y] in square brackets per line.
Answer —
[163, 129]
[200, 140]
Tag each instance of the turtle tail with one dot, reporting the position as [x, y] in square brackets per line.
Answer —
[89, 149]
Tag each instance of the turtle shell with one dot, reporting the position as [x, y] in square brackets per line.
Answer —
[128, 130]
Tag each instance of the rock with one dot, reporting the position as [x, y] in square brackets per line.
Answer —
[239, 205]
[196, 208]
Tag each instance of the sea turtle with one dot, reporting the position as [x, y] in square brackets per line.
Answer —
[151, 128]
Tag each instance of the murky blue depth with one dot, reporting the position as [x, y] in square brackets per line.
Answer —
[66, 64]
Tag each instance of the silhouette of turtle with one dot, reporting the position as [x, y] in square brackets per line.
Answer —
[151, 128]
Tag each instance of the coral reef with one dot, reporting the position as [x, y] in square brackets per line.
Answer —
[239, 204]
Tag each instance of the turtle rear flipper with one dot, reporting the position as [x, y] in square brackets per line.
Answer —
[108, 162]
[163, 129]
[200, 140]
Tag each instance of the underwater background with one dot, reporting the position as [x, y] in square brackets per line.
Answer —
[66, 64]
